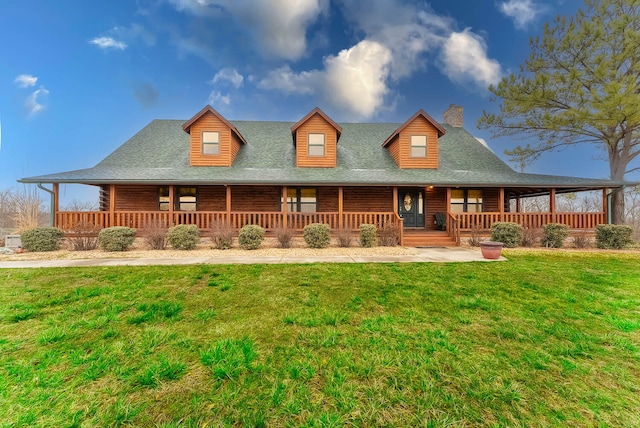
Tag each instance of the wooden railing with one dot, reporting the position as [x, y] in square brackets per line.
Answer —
[67, 220]
[534, 220]
[453, 226]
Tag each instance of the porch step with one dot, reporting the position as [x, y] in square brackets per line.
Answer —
[424, 238]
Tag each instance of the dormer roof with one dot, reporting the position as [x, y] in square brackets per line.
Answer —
[432, 121]
[322, 114]
[208, 109]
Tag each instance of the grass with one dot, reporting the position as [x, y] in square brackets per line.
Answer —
[546, 339]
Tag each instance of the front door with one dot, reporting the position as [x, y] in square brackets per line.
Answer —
[411, 207]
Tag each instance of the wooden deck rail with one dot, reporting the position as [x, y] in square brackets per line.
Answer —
[534, 220]
[67, 220]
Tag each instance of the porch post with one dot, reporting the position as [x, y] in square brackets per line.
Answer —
[448, 199]
[501, 203]
[340, 208]
[517, 203]
[172, 204]
[112, 205]
[605, 203]
[56, 203]
[228, 201]
[552, 204]
[395, 200]
[285, 207]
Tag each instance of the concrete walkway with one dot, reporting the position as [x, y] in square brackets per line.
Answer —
[452, 254]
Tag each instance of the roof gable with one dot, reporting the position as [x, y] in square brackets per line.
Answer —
[441, 130]
[322, 114]
[208, 109]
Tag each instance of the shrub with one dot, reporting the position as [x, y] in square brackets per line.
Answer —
[117, 238]
[316, 235]
[390, 235]
[183, 236]
[155, 235]
[554, 235]
[610, 236]
[251, 236]
[368, 236]
[284, 236]
[41, 239]
[530, 236]
[222, 235]
[510, 234]
[84, 236]
[582, 240]
[345, 237]
[475, 238]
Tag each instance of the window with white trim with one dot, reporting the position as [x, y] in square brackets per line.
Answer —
[210, 142]
[418, 146]
[316, 145]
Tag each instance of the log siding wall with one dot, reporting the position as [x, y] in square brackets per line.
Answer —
[228, 149]
[402, 154]
[316, 124]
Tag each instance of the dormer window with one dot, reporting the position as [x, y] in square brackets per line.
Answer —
[316, 145]
[418, 146]
[210, 142]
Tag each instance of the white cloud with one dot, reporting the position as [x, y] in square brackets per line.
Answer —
[286, 80]
[33, 101]
[354, 81]
[108, 43]
[230, 75]
[464, 57]
[356, 78]
[523, 12]
[25, 81]
[278, 26]
[416, 34]
[217, 99]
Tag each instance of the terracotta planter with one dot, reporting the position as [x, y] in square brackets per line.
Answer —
[491, 250]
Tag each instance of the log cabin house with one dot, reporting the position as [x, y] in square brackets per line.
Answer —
[435, 180]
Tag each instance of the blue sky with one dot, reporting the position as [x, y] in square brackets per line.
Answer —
[78, 78]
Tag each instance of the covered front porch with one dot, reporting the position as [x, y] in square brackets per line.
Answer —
[425, 215]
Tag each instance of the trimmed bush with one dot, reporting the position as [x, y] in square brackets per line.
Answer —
[183, 236]
[222, 235]
[316, 235]
[251, 236]
[117, 238]
[390, 235]
[510, 234]
[554, 235]
[611, 236]
[41, 239]
[368, 235]
[284, 236]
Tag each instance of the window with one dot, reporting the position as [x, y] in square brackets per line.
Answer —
[210, 143]
[466, 201]
[418, 146]
[301, 200]
[186, 198]
[163, 198]
[316, 145]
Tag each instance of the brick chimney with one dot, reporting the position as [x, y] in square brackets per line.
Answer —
[453, 116]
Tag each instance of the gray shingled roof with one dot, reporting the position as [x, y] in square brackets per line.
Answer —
[159, 154]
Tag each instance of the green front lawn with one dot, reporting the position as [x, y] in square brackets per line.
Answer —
[543, 339]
